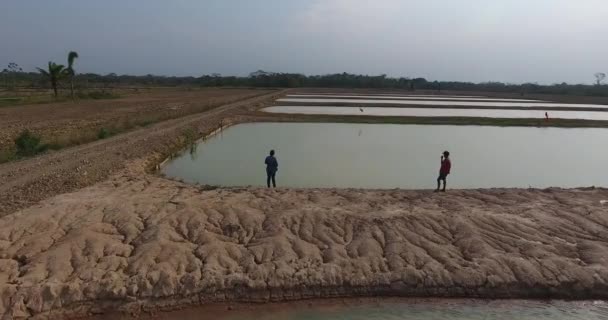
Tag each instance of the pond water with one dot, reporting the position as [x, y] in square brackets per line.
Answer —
[437, 309]
[531, 105]
[428, 97]
[379, 95]
[396, 156]
[438, 112]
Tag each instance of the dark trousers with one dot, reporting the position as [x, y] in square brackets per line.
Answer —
[270, 176]
[442, 176]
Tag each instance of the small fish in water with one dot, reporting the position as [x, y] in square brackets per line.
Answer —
[360, 109]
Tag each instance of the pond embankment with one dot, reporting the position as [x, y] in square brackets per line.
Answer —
[138, 242]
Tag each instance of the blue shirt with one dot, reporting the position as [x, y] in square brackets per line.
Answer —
[271, 164]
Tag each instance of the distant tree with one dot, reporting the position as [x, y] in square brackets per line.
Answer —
[69, 71]
[599, 77]
[5, 76]
[54, 73]
[12, 69]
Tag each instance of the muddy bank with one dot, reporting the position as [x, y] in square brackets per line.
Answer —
[138, 242]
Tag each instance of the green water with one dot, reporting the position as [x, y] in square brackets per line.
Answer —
[426, 310]
[397, 156]
[489, 311]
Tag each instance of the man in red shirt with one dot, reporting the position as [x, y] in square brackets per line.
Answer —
[446, 166]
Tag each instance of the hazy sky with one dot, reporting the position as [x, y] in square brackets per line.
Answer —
[543, 41]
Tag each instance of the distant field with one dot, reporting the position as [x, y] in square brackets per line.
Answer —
[67, 123]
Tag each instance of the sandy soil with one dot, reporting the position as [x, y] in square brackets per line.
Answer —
[140, 242]
[60, 122]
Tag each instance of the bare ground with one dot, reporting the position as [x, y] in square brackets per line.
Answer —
[138, 242]
[68, 122]
[28, 181]
[131, 241]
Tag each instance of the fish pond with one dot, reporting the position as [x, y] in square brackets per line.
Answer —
[396, 156]
[439, 112]
[449, 102]
[391, 309]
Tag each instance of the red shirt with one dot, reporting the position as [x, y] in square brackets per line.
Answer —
[446, 165]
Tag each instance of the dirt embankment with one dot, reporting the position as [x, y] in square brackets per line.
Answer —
[139, 242]
[563, 98]
[26, 182]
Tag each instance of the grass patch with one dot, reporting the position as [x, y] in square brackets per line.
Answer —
[5, 102]
[28, 144]
[10, 99]
[189, 136]
[104, 133]
[8, 155]
[97, 95]
[41, 99]
[73, 138]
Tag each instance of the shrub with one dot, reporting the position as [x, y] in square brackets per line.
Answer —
[103, 133]
[189, 136]
[7, 155]
[28, 144]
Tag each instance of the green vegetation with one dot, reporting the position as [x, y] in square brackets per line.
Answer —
[346, 80]
[103, 133]
[9, 101]
[69, 71]
[37, 99]
[97, 95]
[189, 136]
[262, 79]
[57, 72]
[53, 74]
[9, 75]
[28, 144]
[7, 155]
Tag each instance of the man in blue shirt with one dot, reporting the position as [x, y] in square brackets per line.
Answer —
[272, 166]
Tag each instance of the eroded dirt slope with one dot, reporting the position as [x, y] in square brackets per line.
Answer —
[139, 242]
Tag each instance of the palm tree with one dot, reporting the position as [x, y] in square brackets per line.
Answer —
[54, 73]
[69, 71]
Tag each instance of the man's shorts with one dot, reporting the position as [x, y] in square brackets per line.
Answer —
[442, 176]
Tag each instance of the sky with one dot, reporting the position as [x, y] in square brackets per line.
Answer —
[515, 41]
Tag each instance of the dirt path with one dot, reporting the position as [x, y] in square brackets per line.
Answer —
[26, 182]
[139, 242]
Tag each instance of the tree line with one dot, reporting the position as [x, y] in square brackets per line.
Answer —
[55, 74]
